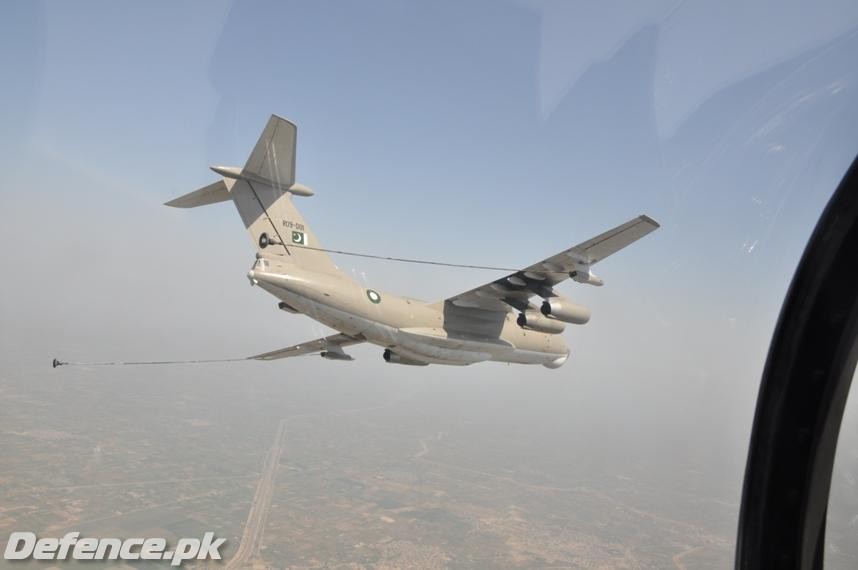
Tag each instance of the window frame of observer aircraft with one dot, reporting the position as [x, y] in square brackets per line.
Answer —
[802, 398]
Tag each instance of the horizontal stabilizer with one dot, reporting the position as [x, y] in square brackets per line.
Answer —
[210, 194]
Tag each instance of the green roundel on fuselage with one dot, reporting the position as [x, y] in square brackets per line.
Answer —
[373, 296]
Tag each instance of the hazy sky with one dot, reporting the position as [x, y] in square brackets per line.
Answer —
[494, 133]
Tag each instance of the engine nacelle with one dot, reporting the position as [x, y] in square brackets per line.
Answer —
[563, 310]
[533, 321]
[393, 358]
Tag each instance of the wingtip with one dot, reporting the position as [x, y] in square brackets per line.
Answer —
[176, 203]
[645, 218]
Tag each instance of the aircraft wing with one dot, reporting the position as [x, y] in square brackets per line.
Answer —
[516, 289]
[331, 345]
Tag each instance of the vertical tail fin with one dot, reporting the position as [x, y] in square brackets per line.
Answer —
[262, 193]
[273, 157]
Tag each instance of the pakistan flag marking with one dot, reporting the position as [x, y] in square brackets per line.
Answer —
[299, 238]
[373, 296]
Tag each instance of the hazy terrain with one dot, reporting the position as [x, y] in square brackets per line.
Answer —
[407, 471]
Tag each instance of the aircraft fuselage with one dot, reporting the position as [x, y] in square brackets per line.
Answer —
[414, 332]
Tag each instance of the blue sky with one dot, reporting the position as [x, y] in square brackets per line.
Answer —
[512, 139]
[494, 133]
[473, 108]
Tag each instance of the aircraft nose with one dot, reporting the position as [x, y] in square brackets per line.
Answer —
[251, 276]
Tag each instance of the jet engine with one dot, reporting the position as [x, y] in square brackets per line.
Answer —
[393, 358]
[562, 310]
[534, 321]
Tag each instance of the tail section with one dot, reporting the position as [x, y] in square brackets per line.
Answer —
[262, 193]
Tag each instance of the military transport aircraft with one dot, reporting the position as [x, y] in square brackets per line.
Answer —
[498, 321]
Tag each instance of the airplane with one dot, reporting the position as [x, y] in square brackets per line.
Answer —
[498, 321]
